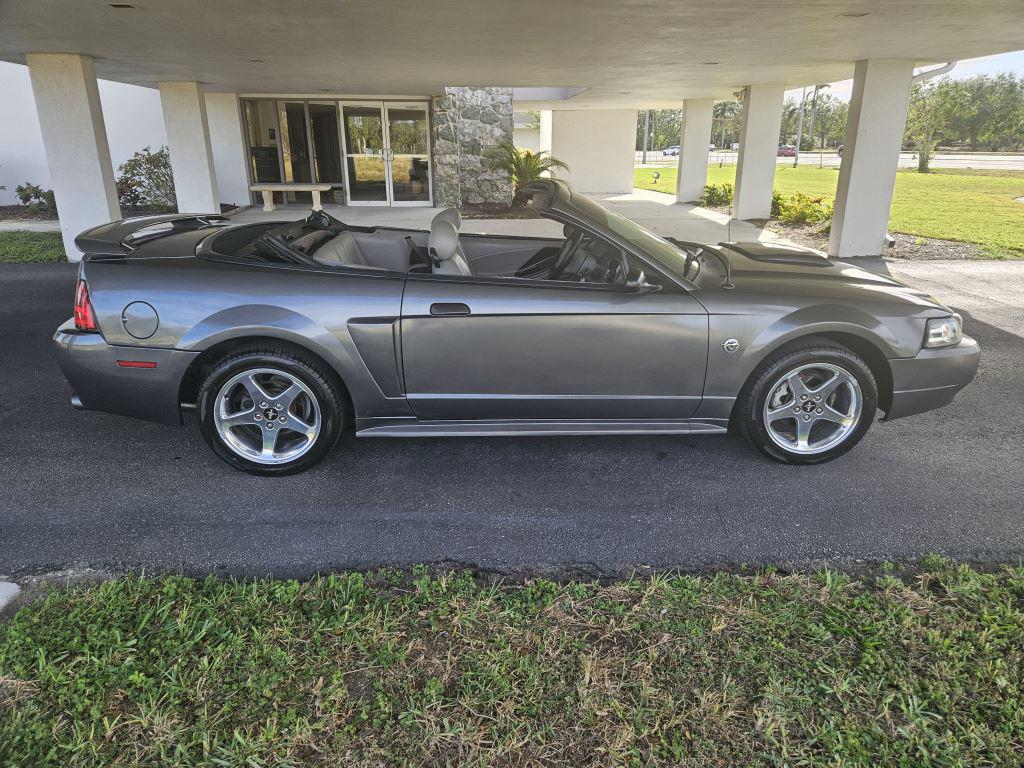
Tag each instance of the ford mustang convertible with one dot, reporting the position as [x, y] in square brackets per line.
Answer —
[280, 334]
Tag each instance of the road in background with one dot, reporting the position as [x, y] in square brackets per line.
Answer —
[831, 160]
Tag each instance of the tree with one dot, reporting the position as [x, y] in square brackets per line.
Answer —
[790, 117]
[666, 127]
[727, 118]
[146, 180]
[931, 111]
[829, 121]
[1003, 102]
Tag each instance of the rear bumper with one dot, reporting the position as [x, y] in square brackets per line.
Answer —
[932, 378]
[100, 384]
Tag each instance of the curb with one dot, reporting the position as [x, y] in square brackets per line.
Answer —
[8, 592]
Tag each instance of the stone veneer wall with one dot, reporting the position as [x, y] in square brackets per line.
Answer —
[465, 122]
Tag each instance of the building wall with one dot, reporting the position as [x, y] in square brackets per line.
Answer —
[465, 122]
[526, 138]
[222, 112]
[597, 144]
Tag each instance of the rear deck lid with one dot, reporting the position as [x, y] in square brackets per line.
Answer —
[121, 238]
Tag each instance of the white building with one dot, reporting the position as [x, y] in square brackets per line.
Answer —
[389, 102]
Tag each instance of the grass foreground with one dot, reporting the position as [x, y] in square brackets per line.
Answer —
[29, 247]
[974, 206]
[387, 669]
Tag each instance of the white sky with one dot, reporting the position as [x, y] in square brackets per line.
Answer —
[983, 65]
[133, 118]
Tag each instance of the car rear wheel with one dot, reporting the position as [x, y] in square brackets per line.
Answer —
[269, 410]
[808, 403]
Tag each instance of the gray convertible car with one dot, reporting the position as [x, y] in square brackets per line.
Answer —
[279, 334]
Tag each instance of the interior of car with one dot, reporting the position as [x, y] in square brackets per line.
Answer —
[579, 256]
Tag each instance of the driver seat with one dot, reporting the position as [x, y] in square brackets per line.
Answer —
[443, 245]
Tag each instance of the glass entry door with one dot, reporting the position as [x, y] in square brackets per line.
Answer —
[387, 153]
[408, 153]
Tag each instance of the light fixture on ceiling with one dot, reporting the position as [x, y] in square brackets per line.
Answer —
[852, 15]
[710, 63]
[121, 6]
[624, 93]
[257, 61]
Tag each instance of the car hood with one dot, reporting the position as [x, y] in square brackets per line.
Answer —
[775, 268]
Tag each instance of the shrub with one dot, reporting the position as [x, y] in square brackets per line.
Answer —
[803, 209]
[146, 180]
[776, 204]
[521, 165]
[35, 197]
[716, 195]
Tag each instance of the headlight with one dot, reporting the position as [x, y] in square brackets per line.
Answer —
[944, 331]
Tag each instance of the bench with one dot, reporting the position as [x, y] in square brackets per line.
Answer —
[268, 191]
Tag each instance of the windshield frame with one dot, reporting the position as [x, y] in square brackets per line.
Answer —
[551, 195]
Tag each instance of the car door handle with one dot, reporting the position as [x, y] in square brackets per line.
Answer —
[449, 309]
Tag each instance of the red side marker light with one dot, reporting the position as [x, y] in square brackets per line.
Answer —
[136, 364]
[85, 320]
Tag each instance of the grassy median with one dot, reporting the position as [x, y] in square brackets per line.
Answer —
[974, 206]
[392, 669]
[28, 247]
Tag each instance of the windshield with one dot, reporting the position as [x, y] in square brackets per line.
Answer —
[672, 257]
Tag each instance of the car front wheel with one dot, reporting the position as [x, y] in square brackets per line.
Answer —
[808, 403]
[270, 411]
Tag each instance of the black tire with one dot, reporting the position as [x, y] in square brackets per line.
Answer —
[322, 384]
[748, 415]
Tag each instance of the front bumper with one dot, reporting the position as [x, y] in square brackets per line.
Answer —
[932, 378]
[90, 366]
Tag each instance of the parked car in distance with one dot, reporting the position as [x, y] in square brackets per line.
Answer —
[787, 150]
[277, 334]
[672, 151]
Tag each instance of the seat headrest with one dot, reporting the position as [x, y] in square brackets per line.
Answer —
[444, 240]
[308, 242]
[448, 214]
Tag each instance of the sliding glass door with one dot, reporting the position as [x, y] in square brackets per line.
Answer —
[408, 153]
[365, 167]
[378, 151]
[387, 153]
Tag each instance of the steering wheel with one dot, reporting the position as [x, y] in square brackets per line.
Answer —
[565, 255]
[618, 270]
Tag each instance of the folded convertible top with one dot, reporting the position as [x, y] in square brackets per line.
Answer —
[120, 238]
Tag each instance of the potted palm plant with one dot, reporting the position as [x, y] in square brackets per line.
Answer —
[522, 166]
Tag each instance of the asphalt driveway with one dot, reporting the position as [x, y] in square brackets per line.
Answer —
[88, 489]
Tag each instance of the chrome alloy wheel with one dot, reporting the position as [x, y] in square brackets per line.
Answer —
[813, 408]
[267, 416]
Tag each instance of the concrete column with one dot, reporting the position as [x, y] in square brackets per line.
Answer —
[759, 148]
[871, 151]
[75, 140]
[694, 142]
[188, 137]
[227, 141]
[598, 145]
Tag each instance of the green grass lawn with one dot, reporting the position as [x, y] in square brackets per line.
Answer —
[25, 247]
[971, 206]
[385, 669]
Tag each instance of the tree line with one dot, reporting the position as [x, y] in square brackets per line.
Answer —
[981, 113]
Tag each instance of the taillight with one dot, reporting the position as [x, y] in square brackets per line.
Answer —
[84, 318]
